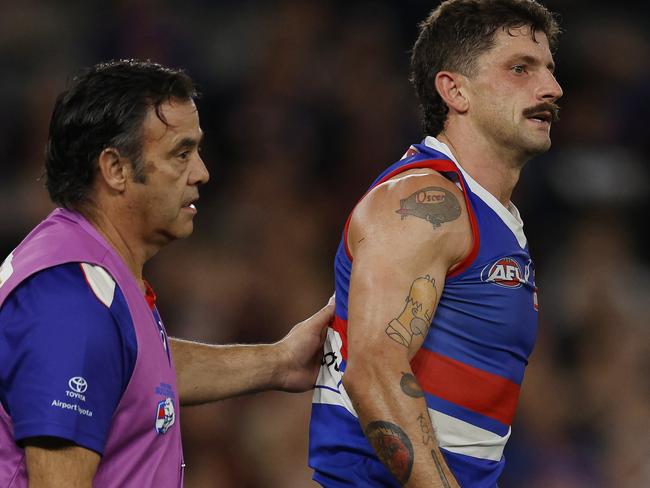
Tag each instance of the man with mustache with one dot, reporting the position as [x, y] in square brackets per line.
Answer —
[436, 306]
[90, 384]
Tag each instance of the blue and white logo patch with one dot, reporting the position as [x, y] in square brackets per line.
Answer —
[165, 415]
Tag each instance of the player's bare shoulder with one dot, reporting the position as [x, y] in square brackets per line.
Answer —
[420, 205]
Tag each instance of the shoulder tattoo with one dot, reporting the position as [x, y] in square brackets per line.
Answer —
[433, 204]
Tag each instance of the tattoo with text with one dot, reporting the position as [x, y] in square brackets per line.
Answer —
[410, 386]
[429, 440]
[441, 472]
[416, 317]
[393, 447]
[433, 204]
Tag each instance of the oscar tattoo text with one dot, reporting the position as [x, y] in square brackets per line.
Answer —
[433, 204]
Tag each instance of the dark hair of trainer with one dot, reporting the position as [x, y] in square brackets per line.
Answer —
[456, 33]
[105, 106]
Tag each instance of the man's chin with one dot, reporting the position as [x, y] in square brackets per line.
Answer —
[179, 232]
[538, 145]
[186, 231]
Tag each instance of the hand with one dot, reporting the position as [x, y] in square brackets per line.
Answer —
[301, 351]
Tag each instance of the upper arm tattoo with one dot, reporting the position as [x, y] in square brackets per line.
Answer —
[433, 204]
[417, 314]
[393, 447]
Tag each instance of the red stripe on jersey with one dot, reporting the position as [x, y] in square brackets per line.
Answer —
[466, 386]
[341, 326]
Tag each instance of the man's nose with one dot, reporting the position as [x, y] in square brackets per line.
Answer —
[550, 90]
[200, 174]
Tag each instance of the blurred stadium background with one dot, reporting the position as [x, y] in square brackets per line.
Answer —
[304, 102]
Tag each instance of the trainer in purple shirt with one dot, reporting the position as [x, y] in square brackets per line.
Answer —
[90, 384]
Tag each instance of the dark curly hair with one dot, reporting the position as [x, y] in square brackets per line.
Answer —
[105, 106]
[456, 33]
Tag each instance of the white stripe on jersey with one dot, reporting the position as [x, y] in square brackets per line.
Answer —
[329, 388]
[101, 283]
[6, 269]
[462, 437]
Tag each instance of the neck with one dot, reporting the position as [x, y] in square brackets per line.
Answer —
[127, 245]
[496, 169]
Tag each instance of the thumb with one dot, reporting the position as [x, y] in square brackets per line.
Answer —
[330, 308]
[327, 313]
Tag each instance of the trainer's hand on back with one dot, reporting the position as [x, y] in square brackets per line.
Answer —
[301, 351]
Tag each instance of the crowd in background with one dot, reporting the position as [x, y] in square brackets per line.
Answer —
[304, 102]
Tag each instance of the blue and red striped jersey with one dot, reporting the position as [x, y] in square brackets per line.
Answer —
[472, 362]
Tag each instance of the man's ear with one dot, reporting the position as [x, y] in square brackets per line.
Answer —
[113, 169]
[451, 89]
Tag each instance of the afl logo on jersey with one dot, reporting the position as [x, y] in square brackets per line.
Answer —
[505, 272]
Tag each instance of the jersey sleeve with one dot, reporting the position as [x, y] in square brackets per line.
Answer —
[65, 356]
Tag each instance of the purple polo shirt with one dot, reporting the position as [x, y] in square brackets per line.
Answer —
[58, 341]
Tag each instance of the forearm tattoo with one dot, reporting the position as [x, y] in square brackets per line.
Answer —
[393, 447]
[429, 440]
[433, 204]
[441, 472]
[416, 317]
[410, 386]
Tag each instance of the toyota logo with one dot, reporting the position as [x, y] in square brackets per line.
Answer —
[78, 384]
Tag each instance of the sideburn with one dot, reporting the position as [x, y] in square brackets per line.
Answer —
[139, 170]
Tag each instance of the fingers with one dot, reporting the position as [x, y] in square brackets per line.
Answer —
[328, 310]
[330, 307]
[323, 334]
[323, 317]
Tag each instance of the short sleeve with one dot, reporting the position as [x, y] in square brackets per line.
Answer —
[66, 355]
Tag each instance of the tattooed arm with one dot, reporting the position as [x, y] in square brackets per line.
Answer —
[404, 236]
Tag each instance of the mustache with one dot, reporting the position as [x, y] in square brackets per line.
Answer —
[550, 107]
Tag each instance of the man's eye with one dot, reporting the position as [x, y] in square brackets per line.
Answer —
[519, 69]
[184, 155]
